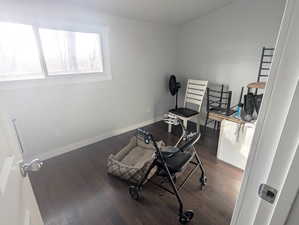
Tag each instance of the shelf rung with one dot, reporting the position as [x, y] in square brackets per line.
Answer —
[263, 75]
[269, 49]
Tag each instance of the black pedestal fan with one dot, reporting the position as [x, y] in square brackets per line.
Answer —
[174, 87]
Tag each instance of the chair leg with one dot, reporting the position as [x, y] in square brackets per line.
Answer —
[185, 123]
[198, 125]
[169, 128]
[206, 123]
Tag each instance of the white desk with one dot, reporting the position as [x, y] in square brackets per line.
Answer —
[234, 142]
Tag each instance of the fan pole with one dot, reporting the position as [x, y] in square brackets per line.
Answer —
[176, 100]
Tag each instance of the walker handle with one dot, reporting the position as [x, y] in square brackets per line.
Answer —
[148, 137]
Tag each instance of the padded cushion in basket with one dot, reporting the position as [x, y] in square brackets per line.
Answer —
[137, 157]
[132, 161]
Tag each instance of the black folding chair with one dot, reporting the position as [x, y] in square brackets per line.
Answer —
[218, 101]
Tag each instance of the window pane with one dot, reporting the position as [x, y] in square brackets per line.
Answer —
[18, 52]
[71, 52]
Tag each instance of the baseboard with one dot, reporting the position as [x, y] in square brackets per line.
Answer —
[92, 140]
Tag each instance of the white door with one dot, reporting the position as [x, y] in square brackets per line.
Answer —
[17, 201]
[284, 171]
[274, 148]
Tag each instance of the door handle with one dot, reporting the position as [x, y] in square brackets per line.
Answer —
[34, 165]
[267, 193]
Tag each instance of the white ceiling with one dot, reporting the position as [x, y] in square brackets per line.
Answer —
[161, 11]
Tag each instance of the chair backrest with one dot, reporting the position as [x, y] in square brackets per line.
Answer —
[195, 92]
[219, 100]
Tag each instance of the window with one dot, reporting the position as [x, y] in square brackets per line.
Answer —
[71, 52]
[18, 53]
[29, 52]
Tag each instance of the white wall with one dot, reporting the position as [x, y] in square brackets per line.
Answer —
[225, 46]
[55, 116]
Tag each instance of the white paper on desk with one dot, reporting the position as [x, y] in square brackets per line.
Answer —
[247, 138]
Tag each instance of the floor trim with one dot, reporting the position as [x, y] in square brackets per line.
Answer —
[92, 140]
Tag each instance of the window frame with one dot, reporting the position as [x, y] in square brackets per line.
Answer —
[45, 78]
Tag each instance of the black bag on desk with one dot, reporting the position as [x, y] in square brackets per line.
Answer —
[248, 107]
[257, 102]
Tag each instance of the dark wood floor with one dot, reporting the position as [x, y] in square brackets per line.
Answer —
[74, 189]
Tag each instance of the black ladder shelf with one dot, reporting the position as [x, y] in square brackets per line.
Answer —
[265, 65]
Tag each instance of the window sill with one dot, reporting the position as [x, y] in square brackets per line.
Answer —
[55, 80]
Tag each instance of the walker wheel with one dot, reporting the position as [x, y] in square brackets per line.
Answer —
[134, 192]
[203, 180]
[186, 217]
